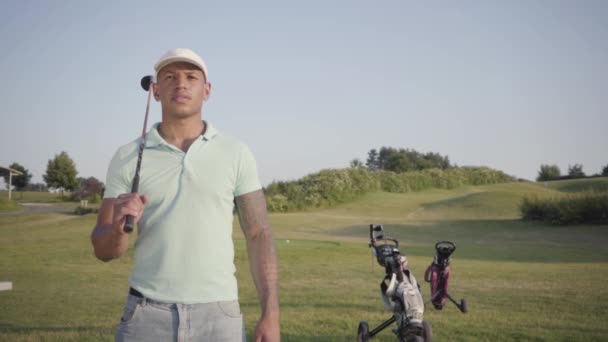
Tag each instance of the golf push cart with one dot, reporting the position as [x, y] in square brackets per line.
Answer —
[401, 292]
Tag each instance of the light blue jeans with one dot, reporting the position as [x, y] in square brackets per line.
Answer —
[146, 320]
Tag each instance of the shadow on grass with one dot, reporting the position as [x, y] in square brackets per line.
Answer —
[9, 328]
[316, 338]
[501, 240]
[315, 305]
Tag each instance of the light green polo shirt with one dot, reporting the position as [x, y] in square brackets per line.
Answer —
[184, 251]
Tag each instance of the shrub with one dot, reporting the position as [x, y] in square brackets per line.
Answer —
[572, 208]
[440, 179]
[83, 211]
[330, 187]
[96, 198]
[548, 172]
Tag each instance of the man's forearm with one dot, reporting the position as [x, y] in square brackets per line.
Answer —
[261, 250]
[264, 269]
[107, 244]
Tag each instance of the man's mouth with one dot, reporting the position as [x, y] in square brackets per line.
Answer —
[180, 98]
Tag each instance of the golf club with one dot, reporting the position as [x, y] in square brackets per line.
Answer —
[146, 81]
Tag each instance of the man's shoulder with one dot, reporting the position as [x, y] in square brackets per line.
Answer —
[128, 150]
[228, 142]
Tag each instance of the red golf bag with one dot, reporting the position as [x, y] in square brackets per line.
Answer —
[438, 275]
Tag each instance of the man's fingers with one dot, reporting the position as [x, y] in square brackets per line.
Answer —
[130, 196]
[133, 207]
[144, 199]
[123, 211]
[131, 200]
[128, 204]
[129, 211]
[122, 196]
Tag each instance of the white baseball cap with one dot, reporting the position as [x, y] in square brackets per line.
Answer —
[181, 55]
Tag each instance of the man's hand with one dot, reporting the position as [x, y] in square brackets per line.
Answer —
[267, 330]
[127, 204]
[109, 239]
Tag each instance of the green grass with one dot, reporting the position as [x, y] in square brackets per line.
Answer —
[523, 281]
[6, 205]
[36, 196]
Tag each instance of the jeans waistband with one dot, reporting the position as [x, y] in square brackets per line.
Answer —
[135, 293]
[143, 299]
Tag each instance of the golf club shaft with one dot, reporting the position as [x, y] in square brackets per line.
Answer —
[130, 220]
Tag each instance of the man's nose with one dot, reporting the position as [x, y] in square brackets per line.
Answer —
[181, 81]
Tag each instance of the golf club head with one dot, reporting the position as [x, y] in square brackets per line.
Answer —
[146, 81]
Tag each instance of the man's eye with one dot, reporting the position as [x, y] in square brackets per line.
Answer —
[168, 77]
[192, 77]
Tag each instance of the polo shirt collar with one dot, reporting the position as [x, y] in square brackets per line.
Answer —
[210, 132]
[154, 139]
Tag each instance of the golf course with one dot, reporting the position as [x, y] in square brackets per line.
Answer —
[523, 280]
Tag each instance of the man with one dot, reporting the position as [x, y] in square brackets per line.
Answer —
[182, 283]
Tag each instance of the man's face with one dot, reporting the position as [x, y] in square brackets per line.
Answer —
[181, 89]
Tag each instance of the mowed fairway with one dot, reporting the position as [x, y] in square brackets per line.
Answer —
[523, 281]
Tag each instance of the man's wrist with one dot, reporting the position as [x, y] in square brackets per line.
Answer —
[271, 314]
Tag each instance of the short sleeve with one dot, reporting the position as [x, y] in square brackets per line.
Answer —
[247, 174]
[116, 182]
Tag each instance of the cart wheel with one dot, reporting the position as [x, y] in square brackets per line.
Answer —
[363, 332]
[427, 332]
[463, 306]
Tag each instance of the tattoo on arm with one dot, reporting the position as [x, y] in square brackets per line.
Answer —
[263, 263]
[252, 213]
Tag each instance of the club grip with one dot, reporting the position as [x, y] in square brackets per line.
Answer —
[130, 220]
[129, 224]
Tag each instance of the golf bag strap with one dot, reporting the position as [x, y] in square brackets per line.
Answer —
[388, 291]
[428, 272]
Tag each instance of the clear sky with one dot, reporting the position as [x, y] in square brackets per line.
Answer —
[310, 85]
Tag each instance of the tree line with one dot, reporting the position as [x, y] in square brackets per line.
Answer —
[61, 173]
[552, 172]
[402, 160]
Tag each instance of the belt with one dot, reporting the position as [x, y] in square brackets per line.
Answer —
[135, 293]
[144, 300]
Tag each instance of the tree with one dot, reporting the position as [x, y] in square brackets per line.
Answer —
[383, 156]
[605, 171]
[372, 160]
[88, 188]
[399, 162]
[18, 181]
[576, 171]
[61, 172]
[356, 163]
[404, 160]
[548, 172]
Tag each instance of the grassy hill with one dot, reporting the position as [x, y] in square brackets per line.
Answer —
[523, 281]
[574, 185]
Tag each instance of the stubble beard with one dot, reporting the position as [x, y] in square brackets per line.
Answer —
[184, 113]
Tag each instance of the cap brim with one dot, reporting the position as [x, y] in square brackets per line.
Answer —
[176, 60]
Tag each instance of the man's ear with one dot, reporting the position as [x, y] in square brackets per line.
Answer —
[207, 91]
[155, 92]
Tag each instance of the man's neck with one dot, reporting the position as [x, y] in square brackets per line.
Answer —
[181, 133]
